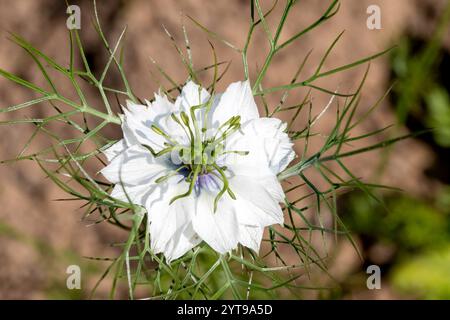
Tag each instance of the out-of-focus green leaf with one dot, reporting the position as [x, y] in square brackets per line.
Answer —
[438, 115]
[426, 276]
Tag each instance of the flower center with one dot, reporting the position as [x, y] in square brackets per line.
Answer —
[197, 162]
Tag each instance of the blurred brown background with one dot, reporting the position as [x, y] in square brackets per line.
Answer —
[39, 237]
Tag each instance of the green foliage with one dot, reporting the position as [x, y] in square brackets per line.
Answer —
[438, 115]
[425, 276]
[416, 71]
[408, 223]
[443, 200]
[414, 224]
[417, 86]
[420, 234]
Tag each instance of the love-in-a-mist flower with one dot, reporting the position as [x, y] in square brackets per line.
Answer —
[205, 168]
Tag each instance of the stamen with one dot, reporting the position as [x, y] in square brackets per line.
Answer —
[234, 124]
[161, 132]
[159, 153]
[241, 153]
[169, 175]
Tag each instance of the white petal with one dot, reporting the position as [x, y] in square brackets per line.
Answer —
[134, 166]
[247, 213]
[115, 149]
[236, 100]
[162, 106]
[251, 236]
[220, 229]
[278, 146]
[269, 148]
[168, 220]
[191, 95]
[138, 120]
[139, 110]
[128, 136]
[133, 194]
[137, 129]
[181, 243]
[262, 201]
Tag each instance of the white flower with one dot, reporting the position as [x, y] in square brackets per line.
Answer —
[204, 167]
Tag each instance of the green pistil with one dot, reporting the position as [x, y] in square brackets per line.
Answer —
[171, 174]
[224, 188]
[177, 120]
[205, 115]
[185, 119]
[161, 132]
[191, 185]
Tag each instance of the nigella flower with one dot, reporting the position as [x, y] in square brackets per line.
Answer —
[205, 168]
